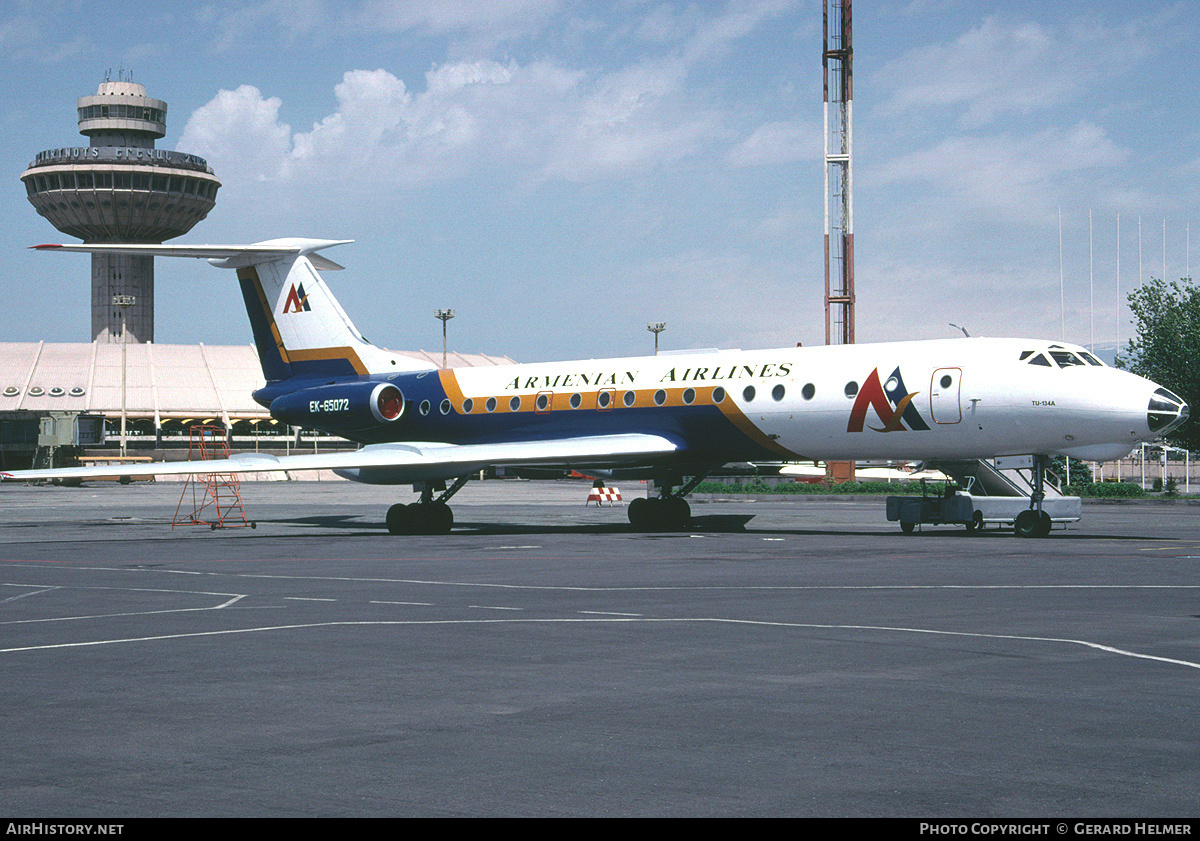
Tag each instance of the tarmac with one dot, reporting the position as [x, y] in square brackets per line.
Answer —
[784, 657]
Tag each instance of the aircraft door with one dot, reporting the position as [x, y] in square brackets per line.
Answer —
[945, 395]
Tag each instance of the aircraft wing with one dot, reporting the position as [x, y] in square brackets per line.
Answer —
[398, 463]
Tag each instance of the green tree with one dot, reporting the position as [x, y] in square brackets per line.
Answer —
[1167, 347]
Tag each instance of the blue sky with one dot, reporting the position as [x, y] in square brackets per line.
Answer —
[561, 173]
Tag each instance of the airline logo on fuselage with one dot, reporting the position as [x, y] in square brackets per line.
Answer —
[892, 403]
[297, 300]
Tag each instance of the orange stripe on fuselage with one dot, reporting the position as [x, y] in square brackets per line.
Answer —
[643, 398]
[451, 387]
[251, 273]
[319, 354]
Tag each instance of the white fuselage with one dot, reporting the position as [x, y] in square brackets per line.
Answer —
[957, 398]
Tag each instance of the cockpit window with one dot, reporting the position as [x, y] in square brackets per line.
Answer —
[1166, 412]
[1062, 357]
[1065, 358]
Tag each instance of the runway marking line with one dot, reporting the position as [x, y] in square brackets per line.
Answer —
[30, 593]
[606, 613]
[230, 600]
[754, 622]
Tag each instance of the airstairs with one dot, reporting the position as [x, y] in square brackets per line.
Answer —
[985, 478]
[994, 492]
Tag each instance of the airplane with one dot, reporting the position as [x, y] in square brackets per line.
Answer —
[668, 418]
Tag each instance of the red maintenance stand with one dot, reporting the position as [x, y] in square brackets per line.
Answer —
[216, 497]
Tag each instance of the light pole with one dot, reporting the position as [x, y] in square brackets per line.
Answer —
[656, 327]
[444, 315]
[123, 302]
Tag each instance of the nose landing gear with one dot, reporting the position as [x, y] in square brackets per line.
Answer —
[1033, 521]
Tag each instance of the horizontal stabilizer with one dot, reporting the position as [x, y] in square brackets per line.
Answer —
[222, 256]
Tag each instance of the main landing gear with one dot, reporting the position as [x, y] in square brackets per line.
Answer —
[666, 512]
[1033, 521]
[429, 516]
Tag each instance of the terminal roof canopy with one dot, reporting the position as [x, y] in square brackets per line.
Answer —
[161, 380]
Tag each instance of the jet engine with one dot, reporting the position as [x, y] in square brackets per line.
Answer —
[340, 406]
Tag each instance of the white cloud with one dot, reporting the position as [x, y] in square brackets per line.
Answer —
[453, 15]
[540, 118]
[241, 130]
[781, 141]
[371, 106]
[247, 22]
[1000, 69]
[1014, 174]
[714, 37]
[22, 39]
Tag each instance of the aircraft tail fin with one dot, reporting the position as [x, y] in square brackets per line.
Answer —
[300, 330]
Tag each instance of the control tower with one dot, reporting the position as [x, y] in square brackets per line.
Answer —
[121, 189]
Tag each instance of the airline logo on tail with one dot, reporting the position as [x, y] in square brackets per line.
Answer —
[297, 300]
[892, 404]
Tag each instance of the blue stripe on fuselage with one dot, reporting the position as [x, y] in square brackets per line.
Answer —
[703, 430]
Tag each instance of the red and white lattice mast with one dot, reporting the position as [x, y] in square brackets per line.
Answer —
[837, 59]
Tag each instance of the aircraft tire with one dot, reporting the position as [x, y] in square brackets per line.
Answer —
[438, 519]
[1045, 525]
[675, 514]
[420, 518]
[639, 513]
[399, 519]
[907, 528]
[1028, 524]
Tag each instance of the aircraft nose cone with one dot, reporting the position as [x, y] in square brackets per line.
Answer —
[1165, 412]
